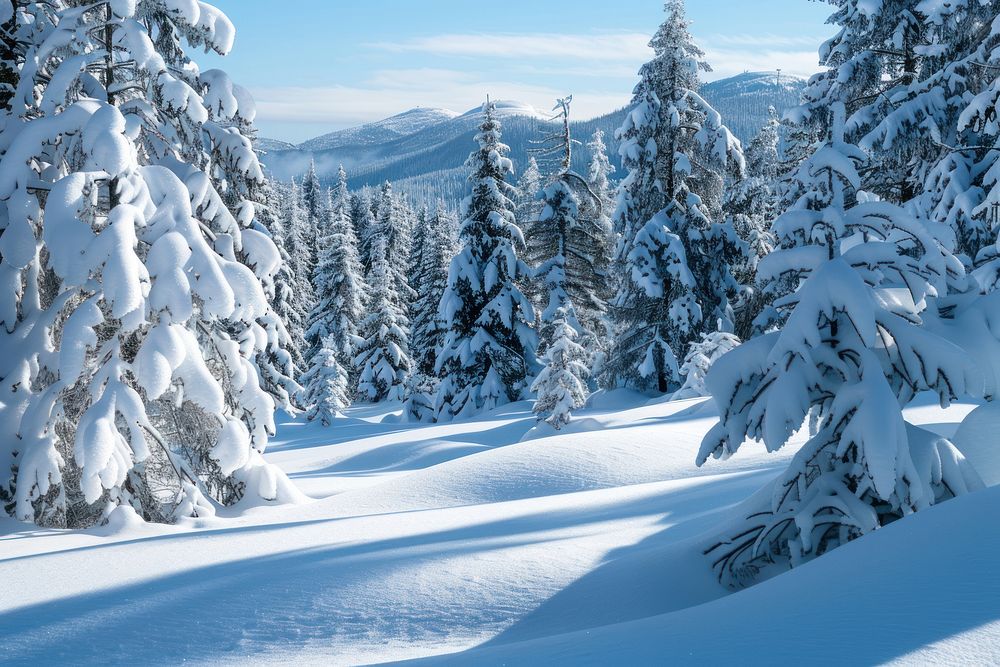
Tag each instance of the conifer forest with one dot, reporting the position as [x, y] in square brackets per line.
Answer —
[704, 376]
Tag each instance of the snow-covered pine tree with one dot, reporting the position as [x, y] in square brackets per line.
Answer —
[488, 353]
[570, 247]
[751, 205]
[392, 224]
[878, 50]
[340, 297]
[314, 200]
[295, 310]
[528, 186]
[401, 250]
[561, 384]
[421, 225]
[599, 179]
[327, 385]
[382, 359]
[675, 261]
[132, 335]
[435, 247]
[850, 358]
[699, 360]
[363, 220]
[941, 125]
[600, 171]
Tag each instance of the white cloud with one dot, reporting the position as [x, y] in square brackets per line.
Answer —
[600, 47]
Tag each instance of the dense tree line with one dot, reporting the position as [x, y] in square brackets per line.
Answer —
[163, 298]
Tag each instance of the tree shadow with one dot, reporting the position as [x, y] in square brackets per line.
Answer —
[900, 590]
[326, 596]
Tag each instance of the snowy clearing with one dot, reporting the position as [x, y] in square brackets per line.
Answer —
[479, 540]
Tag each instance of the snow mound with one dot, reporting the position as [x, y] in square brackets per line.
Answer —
[978, 438]
[413, 558]
[929, 605]
[647, 444]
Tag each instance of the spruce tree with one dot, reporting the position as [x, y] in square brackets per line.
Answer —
[363, 220]
[751, 206]
[314, 202]
[327, 390]
[383, 360]
[699, 361]
[393, 225]
[878, 57]
[133, 339]
[528, 187]
[295, 228]
[940, 128]
[435, 247]
[569, 245]
[851, 360]
[489, 349]
[676, 261]
[340, 296]
[560, 385]
[600, 171]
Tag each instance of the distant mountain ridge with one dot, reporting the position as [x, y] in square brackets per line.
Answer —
[373, 134]
[422, 150]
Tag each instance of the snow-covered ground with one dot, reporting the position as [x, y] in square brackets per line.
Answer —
[496, 542]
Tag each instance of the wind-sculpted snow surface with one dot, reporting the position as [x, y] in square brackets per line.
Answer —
[584, 547]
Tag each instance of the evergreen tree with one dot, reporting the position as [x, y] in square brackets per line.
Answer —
[296, 308]
[488, 352]
[940, 128]
[700, 359]
[364, 221]
[851, 360]
[528, 186]
[675, 261]
[393, 225]
[600, 171]
[603, 249]
[134, 335]
[383, 356]
[434, 249]
[333, 322]
[879, 51]
[560, 385]
[326, 382]
[751, 206]
[569, 245]
[314, 202]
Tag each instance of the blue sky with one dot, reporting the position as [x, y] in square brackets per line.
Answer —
[319, 65]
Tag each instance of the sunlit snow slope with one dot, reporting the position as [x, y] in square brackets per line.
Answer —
[486, 542]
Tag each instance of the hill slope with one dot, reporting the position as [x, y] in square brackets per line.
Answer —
[579, 548]
[421, 149]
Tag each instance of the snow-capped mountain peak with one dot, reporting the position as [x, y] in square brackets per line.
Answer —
[510, 108]
[381, 131]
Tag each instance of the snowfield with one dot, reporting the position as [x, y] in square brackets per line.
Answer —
[494, 541]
